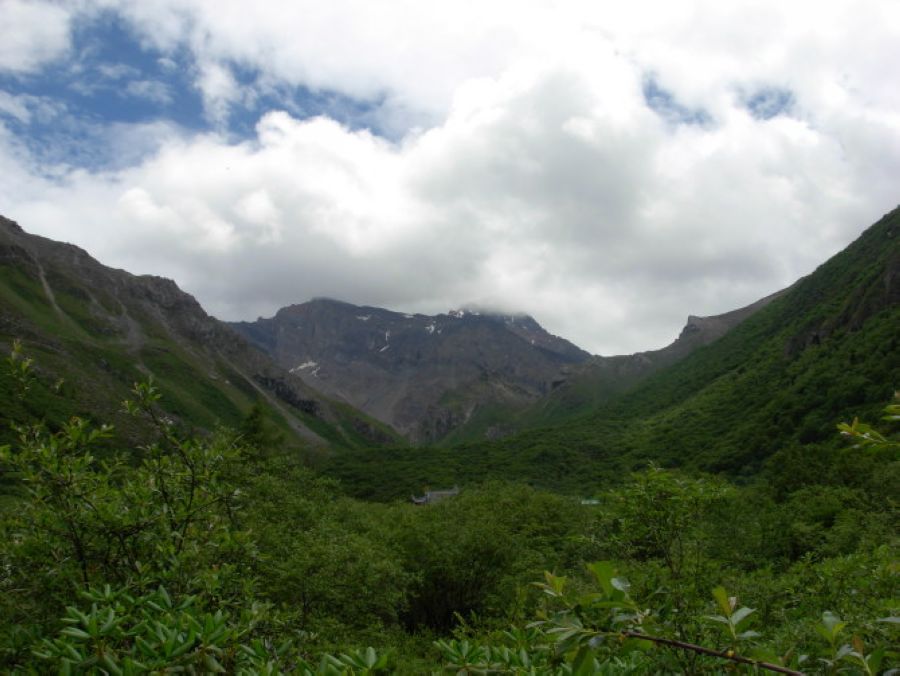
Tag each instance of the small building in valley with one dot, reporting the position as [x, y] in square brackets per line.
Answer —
[432, 497]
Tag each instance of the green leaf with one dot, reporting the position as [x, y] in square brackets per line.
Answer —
[621, 584]
[164, 595]
[109, 624]
[721, 597]
[75, 632]
[555, 585]
[833, 624]
[874, 660]
[212, 664]
[603, 572]
[184, 647]
[583, 664]
[110, 663]
[740, 615]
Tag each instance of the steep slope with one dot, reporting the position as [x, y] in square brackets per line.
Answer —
[422, 375]
[773, 388]
[101, 329]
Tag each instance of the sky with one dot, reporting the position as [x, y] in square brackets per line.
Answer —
[607, 167]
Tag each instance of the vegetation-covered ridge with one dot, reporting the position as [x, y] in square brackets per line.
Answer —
[765, 395]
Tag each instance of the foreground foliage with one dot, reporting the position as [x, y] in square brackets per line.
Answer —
[215, 553]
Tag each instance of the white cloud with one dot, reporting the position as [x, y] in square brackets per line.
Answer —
[151, 90]
[415, 51]
[34, 34]
[26, 108]
[117, 71]
[15, 106]
[219, 89]
[417, 54]
[539, 180]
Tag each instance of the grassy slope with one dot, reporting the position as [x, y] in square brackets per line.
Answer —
[824, 352]
[97, 368]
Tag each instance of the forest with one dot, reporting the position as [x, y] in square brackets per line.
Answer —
[218, 552]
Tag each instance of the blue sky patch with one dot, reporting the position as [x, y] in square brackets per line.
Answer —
[110, 80]
[768, 102]
[663, 103]
[301, 102]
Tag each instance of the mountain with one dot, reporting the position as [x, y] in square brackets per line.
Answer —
[100, 329]
[768, 393]
[422, 375]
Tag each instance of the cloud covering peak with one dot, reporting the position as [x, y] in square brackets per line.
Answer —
[608, 171]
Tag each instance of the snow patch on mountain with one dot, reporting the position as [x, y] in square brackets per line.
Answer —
[387, 340]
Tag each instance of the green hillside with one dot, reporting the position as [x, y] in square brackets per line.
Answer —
[825, 351]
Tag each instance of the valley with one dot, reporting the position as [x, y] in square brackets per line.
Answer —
[449, 338]
[713, 463]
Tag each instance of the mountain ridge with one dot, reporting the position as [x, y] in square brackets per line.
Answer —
[91, 323]
[487, 363]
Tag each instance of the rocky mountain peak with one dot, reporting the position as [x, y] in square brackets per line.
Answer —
[422, 374]
[10, 224]
[699, 331]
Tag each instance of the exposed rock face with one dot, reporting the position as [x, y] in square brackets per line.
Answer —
[700, 331]
[423, 375]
